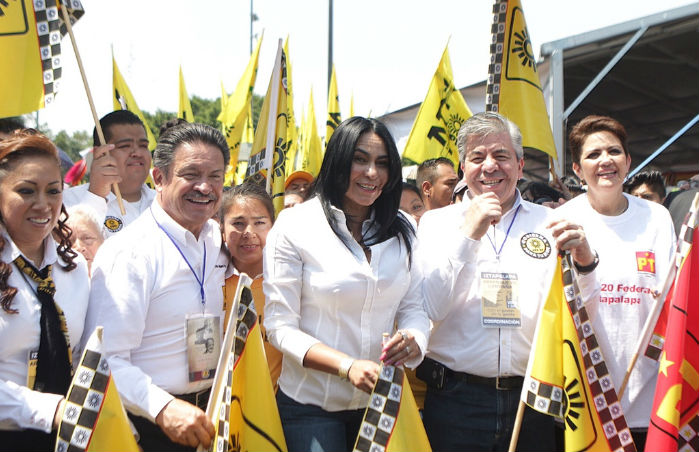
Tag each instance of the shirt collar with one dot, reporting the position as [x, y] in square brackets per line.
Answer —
[10, 251]
[178, 232]
[341, 219]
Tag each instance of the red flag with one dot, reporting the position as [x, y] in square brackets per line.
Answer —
[674, 421]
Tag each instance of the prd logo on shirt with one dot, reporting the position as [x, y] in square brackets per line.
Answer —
[114, 224]
[645, 261]
[535, 245]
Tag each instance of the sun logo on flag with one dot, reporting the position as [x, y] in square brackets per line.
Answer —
[453, 125]
[572, 404]
[523, 48]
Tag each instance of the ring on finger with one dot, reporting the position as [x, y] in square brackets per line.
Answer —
[407, 349]
[403, 335]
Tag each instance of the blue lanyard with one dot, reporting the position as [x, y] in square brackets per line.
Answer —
[507, 234]
[203, 266]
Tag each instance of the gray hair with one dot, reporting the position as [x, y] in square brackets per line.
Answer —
[88, 213]
[164, 153]
[488, 123]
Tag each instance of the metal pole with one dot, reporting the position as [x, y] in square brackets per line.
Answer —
[251, 16]
[330, 42]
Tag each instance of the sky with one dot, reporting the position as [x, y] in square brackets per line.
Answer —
[385, 51]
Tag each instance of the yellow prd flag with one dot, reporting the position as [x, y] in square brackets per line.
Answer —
[291, 130]
[567, 376]
[352, 106]
[310, 155]
[245, 148]
[268, 155]
[184, 110]
[334, 117]
[94, 418]
[124, 100]
[514, 89]
[439, 118]
[30, 51]
[242, 406]
[224, 97]
[392, 422]
[233, 117]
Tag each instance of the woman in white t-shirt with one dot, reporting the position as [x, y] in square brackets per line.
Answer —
[338, 274]
[634, 239]
[43, 294]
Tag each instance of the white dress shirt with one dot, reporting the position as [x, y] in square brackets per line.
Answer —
[108, 208]
[142, 291]
[21, 407]
[320, 291]
[635, 251]
[452, 265]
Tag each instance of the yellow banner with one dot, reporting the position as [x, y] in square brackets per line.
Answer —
[439, 119]
[184, 109]
[514, 89]
[334, 116]
[124, 100]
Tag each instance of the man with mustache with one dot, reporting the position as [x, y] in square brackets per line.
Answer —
[125, 160]
[156, 289]
[487, 263]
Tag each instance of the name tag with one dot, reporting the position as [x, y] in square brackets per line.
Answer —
[32, 361]
[203, 345]
[500, 300]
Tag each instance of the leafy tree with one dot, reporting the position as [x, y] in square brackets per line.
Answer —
[73, 143]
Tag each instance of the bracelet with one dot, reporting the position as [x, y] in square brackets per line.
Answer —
[587, 268]
[344, 368]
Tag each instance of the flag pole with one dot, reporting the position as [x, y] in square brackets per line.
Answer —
[517, 426]
[98, 126]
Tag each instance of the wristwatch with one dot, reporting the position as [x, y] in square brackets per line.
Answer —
[587, 268]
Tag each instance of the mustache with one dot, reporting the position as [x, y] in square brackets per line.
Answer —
[197, 196]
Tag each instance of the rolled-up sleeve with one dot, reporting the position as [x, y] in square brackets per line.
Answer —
[283, 270]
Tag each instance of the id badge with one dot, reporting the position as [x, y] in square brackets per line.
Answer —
[32, 362]
[203, 345]
[500, 300]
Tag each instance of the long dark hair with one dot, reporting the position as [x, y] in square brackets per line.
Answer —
[29, 143]
[333, 181]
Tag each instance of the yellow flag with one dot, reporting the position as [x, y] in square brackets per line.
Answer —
[391, 421]
[224, 97]
[291, 130]
[352, 105]
[309, 156]
[334, 117]
[94, 418]
[439, 118]
[567, 376]
[184, 109]
[124, 100]
[30, 51]
[514, 89]
[268, 155]
[233, 117]
[242, 404]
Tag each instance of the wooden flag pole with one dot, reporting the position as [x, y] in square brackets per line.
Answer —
[516, 427]
[98, 126]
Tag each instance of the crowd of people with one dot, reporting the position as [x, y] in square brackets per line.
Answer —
[446, 277]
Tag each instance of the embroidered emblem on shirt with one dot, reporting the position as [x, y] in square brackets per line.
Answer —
[535, 245]
[645, 262]
[114, 224]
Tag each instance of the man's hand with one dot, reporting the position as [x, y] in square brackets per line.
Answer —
[185, 424]
[103, 171]
[571, 236]
[363, 375]
[484, 211]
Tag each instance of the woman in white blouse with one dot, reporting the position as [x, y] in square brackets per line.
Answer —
[338, 274]
[43, 294]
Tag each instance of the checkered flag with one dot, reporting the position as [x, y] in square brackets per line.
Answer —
[90, 395]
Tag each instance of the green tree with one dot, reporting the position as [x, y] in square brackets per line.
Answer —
[73, 143]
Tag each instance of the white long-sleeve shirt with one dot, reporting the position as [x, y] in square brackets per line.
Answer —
[635, 251]
[452, 265]
[108, 208]
[142, 291]
[319, 291]
[21, 407]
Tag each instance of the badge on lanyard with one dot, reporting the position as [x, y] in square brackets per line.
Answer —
[32, 362]
[500, 300]
[203, 345]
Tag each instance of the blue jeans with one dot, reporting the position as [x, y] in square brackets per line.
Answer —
[309, 428]
[473, 417]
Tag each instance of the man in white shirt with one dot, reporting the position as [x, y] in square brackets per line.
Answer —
[125, 160]
[156, 289]
[487, 262]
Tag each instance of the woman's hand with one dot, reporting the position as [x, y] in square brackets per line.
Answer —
[571, 236]
[400, 348]
[59, 413]
[363, 375]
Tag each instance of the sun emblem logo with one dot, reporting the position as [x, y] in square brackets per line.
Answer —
[523, 48]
